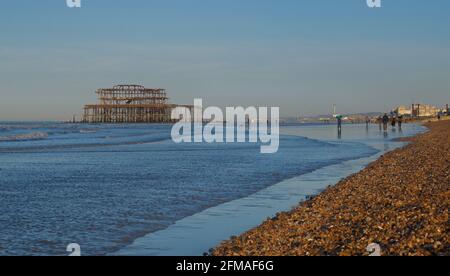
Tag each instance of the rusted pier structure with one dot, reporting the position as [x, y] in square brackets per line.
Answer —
[130, 104]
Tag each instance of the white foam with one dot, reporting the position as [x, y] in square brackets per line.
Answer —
[27, 136]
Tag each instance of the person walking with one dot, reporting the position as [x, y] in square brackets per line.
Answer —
[385, 122]
[339, 121]
[393, 121]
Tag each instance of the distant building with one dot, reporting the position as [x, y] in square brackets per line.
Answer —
[424, 110]
[403, 111]
[417, 110]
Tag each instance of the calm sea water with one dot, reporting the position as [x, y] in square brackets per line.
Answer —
[105, 186]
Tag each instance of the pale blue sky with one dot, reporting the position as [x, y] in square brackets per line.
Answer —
[301, 55]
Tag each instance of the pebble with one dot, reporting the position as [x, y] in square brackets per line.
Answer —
[400, 202]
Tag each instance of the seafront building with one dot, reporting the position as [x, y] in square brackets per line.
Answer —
[420, 110]
[403, 111]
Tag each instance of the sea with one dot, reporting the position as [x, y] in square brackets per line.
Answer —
[130, 190]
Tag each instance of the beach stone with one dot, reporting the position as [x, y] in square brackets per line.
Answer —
[399, 202]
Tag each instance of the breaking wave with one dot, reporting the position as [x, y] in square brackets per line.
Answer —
[25, 137]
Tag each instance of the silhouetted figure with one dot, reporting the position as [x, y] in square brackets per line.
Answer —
[400, 122]
[385, 122]
[393, 121]
[339, 120]
[439, 116]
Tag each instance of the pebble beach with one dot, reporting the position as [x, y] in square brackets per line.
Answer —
[400, 202]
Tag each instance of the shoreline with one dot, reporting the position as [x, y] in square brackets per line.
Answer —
[196, 234]
[239, 215]
[400, 202]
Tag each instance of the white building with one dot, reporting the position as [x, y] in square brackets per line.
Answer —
[417, 110]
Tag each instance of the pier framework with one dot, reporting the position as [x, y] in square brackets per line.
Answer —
[130, 104]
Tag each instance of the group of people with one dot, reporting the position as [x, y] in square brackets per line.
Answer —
[393, 119]
[383, 121]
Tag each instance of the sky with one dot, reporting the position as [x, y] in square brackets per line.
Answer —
[300, 55]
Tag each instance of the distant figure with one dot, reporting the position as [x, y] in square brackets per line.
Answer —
[439, 116]
[367, 121]
[400, 121]
[385, 122]
[339, 120]
[393, 121]
[380, 122]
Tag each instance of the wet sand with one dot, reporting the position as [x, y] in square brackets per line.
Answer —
[400, 202]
